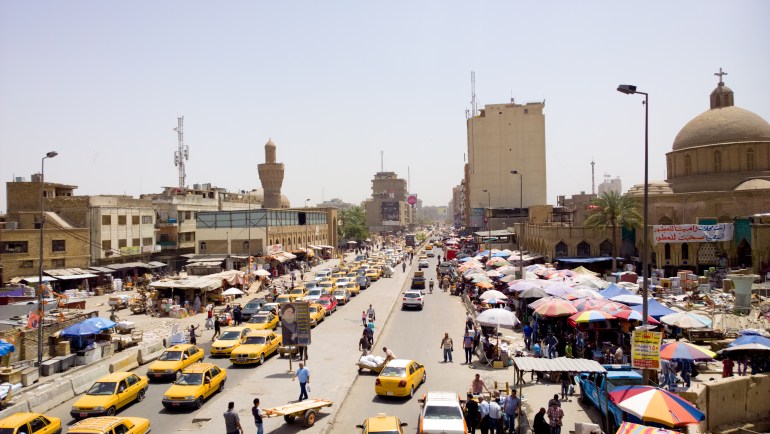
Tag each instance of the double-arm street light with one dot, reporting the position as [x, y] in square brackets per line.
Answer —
[489, 222]
[521, 209]
[40, 307]
[629, 90]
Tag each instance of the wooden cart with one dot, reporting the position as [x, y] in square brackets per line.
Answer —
[306, 410]
[376, 369]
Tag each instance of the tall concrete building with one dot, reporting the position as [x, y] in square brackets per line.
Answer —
[610, 184]
[271, 176]
[502, 138]
[387, 210]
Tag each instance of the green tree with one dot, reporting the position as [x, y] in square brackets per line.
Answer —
[613, 210]
[353, 224]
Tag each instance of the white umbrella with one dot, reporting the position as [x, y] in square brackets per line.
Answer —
[232, 291]
[492, 293]
[493, 273]
[508, 278]
[628, 299]
[686, 320]
[498, 318]
[533, 292]
[261, 272]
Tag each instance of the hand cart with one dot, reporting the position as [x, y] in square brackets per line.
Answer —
[306, 410]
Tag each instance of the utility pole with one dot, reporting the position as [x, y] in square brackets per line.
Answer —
[593, 184]
[182, 153]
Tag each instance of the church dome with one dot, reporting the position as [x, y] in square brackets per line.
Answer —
[722, 125]
[655, 187]
[753, 184]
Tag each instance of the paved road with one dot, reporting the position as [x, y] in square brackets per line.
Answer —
[416, 335]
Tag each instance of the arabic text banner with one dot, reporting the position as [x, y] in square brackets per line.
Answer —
[692, 233]
[645, 349]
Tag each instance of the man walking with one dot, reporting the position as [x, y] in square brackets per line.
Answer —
[468, 347]
[232, 421]
[370, 313]
[484, 415]
[258, 414]
[528, 336]
[555, 415]
[448, 346]
[511, 410]
[495, 417]
[471, 413]
[303, 374]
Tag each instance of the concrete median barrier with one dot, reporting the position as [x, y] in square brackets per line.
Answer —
[124, 363]
[82, 380]
[150, 352]
[17, 407]
[50, 395]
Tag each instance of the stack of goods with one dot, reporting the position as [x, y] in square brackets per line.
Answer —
[371, 361]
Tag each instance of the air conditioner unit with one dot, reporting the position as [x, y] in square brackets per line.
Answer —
[12, 226]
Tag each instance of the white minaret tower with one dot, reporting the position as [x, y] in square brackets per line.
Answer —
[182, 153]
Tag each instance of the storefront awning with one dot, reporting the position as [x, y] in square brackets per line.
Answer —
[156, 264]
[34, 279]
[77, 276]
[128, 265]
[69, 273]
[101, 269]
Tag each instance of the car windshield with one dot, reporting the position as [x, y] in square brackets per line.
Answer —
[442, 412]
[340, 292]
[313, 309]
[253, 305]
[297, 291]
[230, 336]
[411, 295]
[100, 388]
[258, 340]
[324, 301]
[170, 356]
[7, 430]
[392, 371]
[261, 319]
[326, 284]
[315, 292]
[283, 299]
[189, 379]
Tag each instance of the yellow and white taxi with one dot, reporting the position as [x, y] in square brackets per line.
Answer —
[263, 321]
[283, 299]
[35, 423]
[109, 394]
[400, 377]
[297, 293]
[171, 363]
[229, 340]
[353, 288]
[317, 314]
[197, 383]
[255, 347]
[373, 274]
[382, 424]
[110, 425]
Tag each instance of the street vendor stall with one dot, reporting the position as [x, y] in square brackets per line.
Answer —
[185, 296]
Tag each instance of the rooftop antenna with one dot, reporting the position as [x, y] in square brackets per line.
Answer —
[593, 182]
[382, 161]
[474, 102]
[182, 153]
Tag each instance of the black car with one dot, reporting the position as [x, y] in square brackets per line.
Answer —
[251, 308]
[363, 282]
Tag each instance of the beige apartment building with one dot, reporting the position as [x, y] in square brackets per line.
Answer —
[387, 209]
[502, 138]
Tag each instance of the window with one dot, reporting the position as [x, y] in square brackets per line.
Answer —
[667, 251]
[58, 246]
[687, 165]
[106, 220]
[132, 380]
[146, 219]
[121, 220]
[561, 249]
[135, 242]
[26, 264]
[203, 245]
[106, 245]
[146, 241]
[583, 249]
[750, 159]
[121, 429]
[245, 245]
[134, 219]
[605, 248]
[685, 251]
[13, 247]
[122, 243]
[37, 424]
[57, 263]
[187, 215]
[717, 162]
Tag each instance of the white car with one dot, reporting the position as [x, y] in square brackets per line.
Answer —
[314, 294]
[423, 264]
[441, 413]
[413, 298]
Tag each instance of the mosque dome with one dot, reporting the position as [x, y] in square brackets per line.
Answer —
[753, 184]
[721, 126]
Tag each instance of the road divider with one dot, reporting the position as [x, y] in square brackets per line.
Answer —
[18, 407]
[82, 380]
[125, 363]
[150, 352]
[50, 395]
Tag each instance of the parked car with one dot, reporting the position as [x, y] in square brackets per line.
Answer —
[441, 413]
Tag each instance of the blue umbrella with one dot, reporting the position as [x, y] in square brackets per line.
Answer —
[91, 326]
[501, 255]
[750, 339]
[6, 347]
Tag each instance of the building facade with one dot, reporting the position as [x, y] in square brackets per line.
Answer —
[387, 209]
[503, 138]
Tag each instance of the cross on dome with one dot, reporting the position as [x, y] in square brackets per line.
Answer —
[720, 74]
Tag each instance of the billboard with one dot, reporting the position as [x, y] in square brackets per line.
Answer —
[391, 213]
[295, 323]
[692, 233]
[274, 249]
[645, 349]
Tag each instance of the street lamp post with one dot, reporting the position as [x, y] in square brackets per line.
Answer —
[489, 223]
[521, 209]
[307, 243]
[40, 307]
[629, 90]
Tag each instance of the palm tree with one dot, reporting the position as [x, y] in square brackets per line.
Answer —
[612, 210]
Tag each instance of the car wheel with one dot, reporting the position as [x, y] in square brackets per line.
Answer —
[411, 391]
[199, 402]
[140, 396]
[424, 377]
[221, 386]
[111, 411]
[262, 359]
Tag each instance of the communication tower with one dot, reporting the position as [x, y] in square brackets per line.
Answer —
[182, 153]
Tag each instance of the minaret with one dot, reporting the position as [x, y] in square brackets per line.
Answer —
[271, 176]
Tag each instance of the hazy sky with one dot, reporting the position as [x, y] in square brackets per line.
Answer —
[335, 82]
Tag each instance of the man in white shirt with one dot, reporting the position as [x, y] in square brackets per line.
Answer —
[495, 417]
[484, 412]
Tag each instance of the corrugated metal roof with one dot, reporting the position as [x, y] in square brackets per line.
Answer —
[128, 265]
[62, 272]
[156, 264]
[559, 364]
[101, 269]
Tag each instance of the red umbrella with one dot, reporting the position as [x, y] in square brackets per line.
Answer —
[556, 307]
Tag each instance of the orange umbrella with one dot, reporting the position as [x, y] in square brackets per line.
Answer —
[485, 285]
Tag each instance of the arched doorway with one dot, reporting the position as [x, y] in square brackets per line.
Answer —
[561, 249]
[583, 249]
[743, 253]
[605, 248]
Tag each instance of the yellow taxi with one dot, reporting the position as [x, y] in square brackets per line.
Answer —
[35, 423]
[110, 425]
[255, 347]
[429, 246]
[171, 363]
[400, 377]
[197, 383]
[264, 321]
[373, 274]
[382, 424]
[109, 394]
[317, 313]
[328, 286]
[229, 340]
[297, 293]
[338, 274]
[352, 274]
[353, 288]
[284, 298]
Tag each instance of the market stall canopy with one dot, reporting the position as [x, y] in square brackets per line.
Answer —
[232, 291]
[35, 279]
[750, 338]
[630, 299]
[497, 318]
[128, 265]
[262, 272]
[101, 269]
[652, 404]
[686, 320]
[156, 264]
[746, 347]
[654, 309]
[635, 428]
[69, 273]
[559, 364]
[614, 290]
[492, 293]
[204, 283]
[554, 308]
[90, 326]
[632, 315]
[583, 270]
[534, 292]
[686, 351]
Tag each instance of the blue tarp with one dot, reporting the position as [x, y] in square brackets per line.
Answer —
[91, 326]
[501, 255]
[654, 309]
[613, 291]
[6, 347]
[585, 260]
[750, 339]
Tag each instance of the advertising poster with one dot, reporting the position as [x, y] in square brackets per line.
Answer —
[391, 213]
[295, 323]
[692, 233]
[645, 349]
